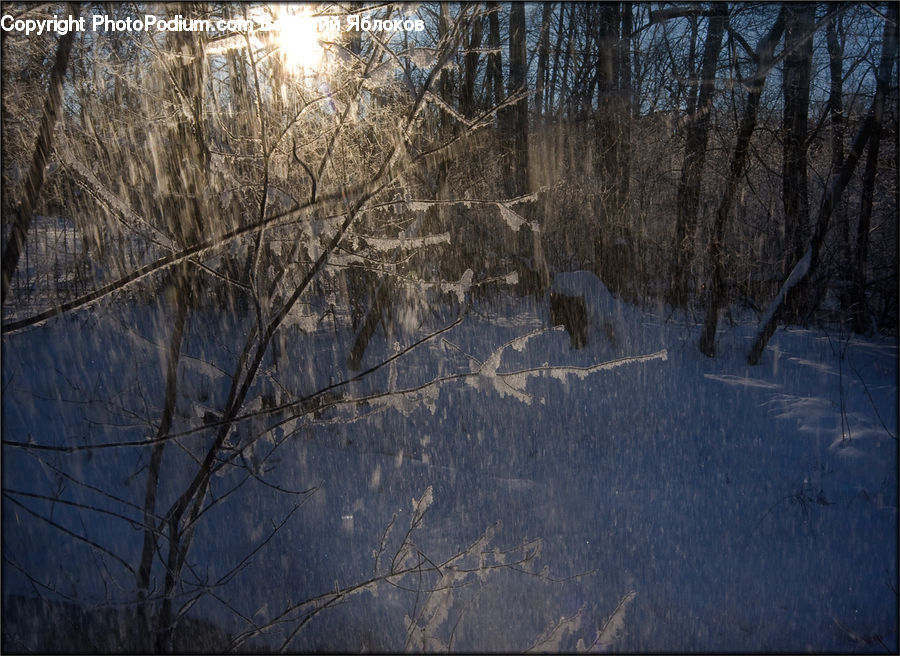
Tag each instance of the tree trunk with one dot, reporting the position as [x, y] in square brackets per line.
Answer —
[543, 60]
[551, 95]
[40, 158]
[693, 73]
[836, 113]
[798, 26]
[861, 323]
[688, 202]
[445, 81]
[612, 250]
[494, 75]
[151, 529]
[860, 308]
[467, 90]
[625, 104]
[570, 53]
[517, 115]
[380, 305]
[184, 184]
[607, 121]
[763, 55]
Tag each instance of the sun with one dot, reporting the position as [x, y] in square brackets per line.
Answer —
[300, 41]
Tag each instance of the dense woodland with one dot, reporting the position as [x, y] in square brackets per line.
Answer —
[707, 159]
[687, 154]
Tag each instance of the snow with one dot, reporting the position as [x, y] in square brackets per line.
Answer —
[603, 309]
[724, 507]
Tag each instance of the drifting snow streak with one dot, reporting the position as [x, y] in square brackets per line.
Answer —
[119, 209]
[741, 381]
[821, 367]
[813, 414]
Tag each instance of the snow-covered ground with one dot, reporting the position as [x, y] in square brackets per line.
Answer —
[747, 508]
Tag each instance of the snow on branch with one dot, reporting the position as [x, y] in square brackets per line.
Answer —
[455, 115]
[561, 372]
[551, 640]
[612, 629]
[486, 378]
[423, 204]
[433, 583]
[384, 244]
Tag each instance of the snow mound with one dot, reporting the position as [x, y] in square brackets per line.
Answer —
[604, 310]
[582, 283]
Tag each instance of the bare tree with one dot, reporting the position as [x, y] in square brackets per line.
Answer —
[839, 180]
[763, 56]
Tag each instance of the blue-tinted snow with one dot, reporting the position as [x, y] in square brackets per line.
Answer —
[749, 508]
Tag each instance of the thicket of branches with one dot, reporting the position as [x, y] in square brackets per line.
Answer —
[625, 117]
[700, 155]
